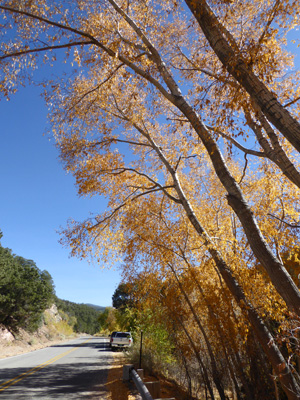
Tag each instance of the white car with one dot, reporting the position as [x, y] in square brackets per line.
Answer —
[121, 339]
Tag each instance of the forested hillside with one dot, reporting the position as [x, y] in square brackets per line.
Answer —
[26, 292]
[82, 317]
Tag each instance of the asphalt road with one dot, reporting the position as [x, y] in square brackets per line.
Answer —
[73, 370]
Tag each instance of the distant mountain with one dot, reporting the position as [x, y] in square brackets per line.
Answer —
[98, 308]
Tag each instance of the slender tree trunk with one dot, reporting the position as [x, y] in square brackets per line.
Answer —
[274, 268]
[232, 375]
[239, 368]
[284, 373]
[231, 58]
[201, 364]
[215, 372]
[188, 376]
[273, 151]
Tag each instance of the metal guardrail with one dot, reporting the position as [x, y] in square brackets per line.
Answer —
[144, 392]
[148, 390]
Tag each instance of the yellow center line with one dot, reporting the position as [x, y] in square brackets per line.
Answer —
[37, 368]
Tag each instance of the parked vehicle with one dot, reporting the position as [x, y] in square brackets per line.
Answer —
[121, 339]
[113, 334]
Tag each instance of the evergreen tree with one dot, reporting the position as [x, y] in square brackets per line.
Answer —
[25, 291]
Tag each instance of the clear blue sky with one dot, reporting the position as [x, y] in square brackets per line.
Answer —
[37, 198]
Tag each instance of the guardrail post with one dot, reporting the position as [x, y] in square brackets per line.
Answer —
[126, 371]
[154, 388]
[140, 373]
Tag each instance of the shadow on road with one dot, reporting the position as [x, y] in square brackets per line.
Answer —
[83, 377]
[59, 381]
[101, 347]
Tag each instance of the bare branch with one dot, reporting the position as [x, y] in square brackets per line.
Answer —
[245, 167]
[286, 223]
[123, 141]
[119, 171]
[97, 87]
[107, 218]
[134, 45]
[268, 24]
[162, 188]
[177, 164]
[292, 102]
[46, 48]
[50, 22]
[204, 71]
[179, 120]
[237, 144]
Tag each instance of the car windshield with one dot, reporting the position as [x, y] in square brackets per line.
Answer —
[123, 335]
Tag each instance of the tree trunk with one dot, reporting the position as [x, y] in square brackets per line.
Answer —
[235, 357]
[280, 278]
[215, 372]
[236, 66]
[205, 374]
[284, 373]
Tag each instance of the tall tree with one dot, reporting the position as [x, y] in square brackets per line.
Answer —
[25, 292]
[132, 63]
[122, 296]
[128, 96]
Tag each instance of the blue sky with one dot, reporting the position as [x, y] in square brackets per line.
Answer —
[38, 197]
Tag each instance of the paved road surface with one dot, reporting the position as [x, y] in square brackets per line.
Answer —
[73, 370]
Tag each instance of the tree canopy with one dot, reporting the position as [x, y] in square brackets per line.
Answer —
[122, 296]
[185, 115]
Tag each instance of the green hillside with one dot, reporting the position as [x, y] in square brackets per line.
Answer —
[82, 317]
[26, 292]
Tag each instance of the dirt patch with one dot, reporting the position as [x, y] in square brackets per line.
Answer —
[118, 390]
[25, 342]
[171, 390]
[168, 389]
[19, 347]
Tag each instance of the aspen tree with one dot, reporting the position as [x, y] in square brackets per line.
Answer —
[127, 97]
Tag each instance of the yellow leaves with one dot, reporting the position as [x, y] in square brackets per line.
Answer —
[291, 259]
[120, 135]
[77, 58]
